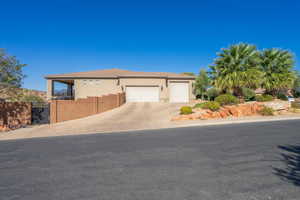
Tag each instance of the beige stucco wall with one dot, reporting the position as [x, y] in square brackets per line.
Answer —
[98, 87]
[49, 89]
[95, 87]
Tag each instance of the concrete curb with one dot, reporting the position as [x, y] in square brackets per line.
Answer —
[239, 121]
[212, 123]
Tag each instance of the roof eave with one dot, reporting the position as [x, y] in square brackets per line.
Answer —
[116, 77]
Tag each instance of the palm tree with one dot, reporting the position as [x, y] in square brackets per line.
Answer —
[237, 67]
[277, 66]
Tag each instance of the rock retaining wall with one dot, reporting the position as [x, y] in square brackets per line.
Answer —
[241, 110]
[14, 115]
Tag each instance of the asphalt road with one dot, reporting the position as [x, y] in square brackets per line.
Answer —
[259, 161]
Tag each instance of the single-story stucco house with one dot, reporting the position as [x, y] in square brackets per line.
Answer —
[138, 86]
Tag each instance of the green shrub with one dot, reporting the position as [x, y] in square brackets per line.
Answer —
[259, 98]
[267, 111]
[248, 94]
[263, 98]
[268, 97]
[211, 105]
[185, 110]
[212, 93]
[282, 97]
[227, 99]
[295, 105]
[199, 105]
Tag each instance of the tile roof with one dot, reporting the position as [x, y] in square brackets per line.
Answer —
[116, 73]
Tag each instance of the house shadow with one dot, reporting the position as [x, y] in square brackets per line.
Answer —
[290, 156]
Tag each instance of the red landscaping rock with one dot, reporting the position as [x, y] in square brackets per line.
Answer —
[246, 109]
[224, 113]
[4, 128]
[278, 105]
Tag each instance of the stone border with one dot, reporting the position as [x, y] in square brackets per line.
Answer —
[240, 121]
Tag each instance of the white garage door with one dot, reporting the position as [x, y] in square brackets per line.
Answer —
[179, 92]
[142, 94]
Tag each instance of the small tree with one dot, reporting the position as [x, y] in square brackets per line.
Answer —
[201, 84]
[296, 86]
[11, 75]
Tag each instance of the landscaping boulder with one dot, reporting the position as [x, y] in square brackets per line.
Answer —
[278, 105]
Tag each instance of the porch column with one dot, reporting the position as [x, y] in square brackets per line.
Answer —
[70, 90]
[50, 88]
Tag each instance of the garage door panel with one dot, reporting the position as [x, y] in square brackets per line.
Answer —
[179, 92]
[142, 94]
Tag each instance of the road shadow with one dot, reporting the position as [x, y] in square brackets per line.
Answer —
[290, 156]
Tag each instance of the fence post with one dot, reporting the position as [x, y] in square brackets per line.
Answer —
[53, 111]
[100, 107]
[94, 99]
[118, 100]
[124, 98]
[96, 104]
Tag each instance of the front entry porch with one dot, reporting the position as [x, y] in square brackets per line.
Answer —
[60, 89]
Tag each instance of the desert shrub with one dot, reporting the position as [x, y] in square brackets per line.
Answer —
[295, 105]
[185, 110]
[282, 96]
[32, 99]
[248, 94]
[226, 99]
[212, 93]
[268, 97]
[263, 98]
[211, 105]
[199, 105]
[259, 98]
[267, 111]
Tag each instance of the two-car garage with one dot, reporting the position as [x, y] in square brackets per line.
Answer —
[178, 92]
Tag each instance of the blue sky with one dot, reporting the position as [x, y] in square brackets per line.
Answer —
[61, 36]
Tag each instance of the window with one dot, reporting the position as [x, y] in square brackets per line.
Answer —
[61, 89]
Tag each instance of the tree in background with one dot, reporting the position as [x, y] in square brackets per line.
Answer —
[277, 66]
[202, 83]
[188, 73]
[296, 86]
[212, 93]
[11, 75]
[237, 67]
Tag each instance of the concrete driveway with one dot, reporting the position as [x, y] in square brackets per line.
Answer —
[131, 116]
[259, 161]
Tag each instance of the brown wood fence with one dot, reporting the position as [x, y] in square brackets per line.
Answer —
[63, 110]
